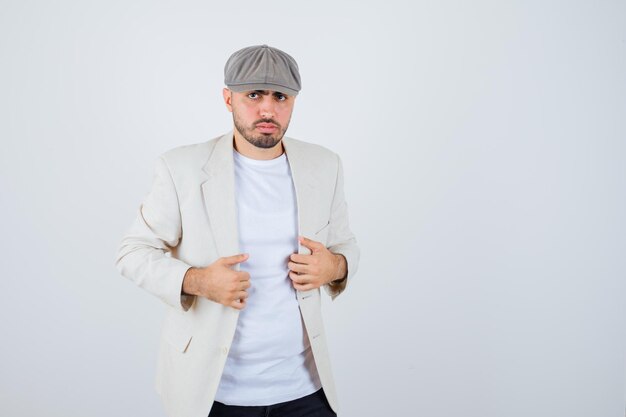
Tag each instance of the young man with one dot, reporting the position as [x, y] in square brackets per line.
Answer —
[237, 236]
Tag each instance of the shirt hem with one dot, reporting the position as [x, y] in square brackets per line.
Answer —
[274, 400]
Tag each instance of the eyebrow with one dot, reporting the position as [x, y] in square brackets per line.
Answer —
[266, 92]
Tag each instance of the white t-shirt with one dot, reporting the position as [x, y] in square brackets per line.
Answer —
[270, 360]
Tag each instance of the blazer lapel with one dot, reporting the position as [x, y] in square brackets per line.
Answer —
[219, 196]
[305, 184]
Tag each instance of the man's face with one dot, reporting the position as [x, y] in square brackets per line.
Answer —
[261, 116]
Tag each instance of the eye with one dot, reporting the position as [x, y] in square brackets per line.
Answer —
[280, 96]
[252, 93]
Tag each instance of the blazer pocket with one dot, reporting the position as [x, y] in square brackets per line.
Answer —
[177, 333]
[322, 228]
[322, 234]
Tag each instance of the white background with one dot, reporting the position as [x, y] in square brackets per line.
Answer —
[483, 146]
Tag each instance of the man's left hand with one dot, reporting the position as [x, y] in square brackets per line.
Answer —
[308, 272]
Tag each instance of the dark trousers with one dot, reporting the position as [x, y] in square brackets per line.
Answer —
[312, 405]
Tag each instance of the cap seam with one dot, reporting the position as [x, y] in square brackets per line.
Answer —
[267, 67]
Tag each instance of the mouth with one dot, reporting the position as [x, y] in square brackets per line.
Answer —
[266, 127]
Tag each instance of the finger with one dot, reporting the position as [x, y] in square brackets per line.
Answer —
[235, 259]
[297, 267]
[238, 304]
[243, 275]
[301, 259]
[300, 279]
[303, 287]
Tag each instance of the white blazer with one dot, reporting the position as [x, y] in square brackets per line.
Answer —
[189, 219]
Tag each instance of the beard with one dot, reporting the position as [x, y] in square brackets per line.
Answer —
[259, 139]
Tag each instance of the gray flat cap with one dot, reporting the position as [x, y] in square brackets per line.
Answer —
[262, 67]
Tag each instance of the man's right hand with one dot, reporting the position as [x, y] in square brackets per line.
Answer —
[219, 283]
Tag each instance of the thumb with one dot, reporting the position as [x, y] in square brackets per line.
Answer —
[309, 243]
[234, 259]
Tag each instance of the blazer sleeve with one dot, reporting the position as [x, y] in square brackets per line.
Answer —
[144, 255]
[341, 240]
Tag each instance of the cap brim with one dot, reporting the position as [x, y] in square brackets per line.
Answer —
[262, 86]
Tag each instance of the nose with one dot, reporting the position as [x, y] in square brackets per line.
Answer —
[266, 110]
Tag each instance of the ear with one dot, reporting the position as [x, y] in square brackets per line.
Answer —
[228, 97]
